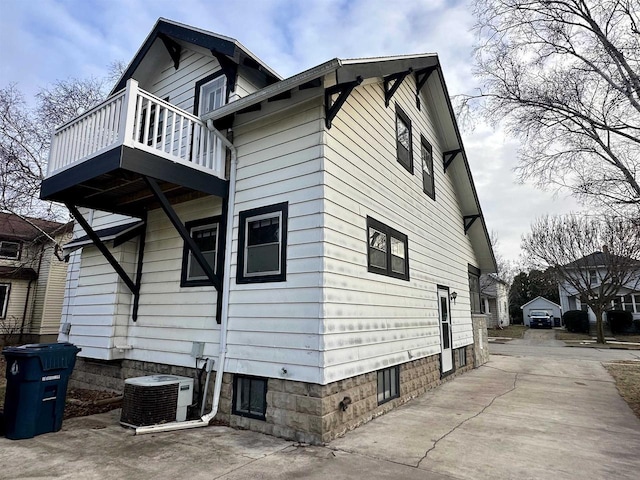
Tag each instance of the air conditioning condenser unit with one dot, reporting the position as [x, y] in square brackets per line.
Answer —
[156, 399]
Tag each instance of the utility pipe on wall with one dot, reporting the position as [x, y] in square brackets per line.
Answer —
[226, 283]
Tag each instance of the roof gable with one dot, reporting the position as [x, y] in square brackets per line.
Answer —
[541, 298]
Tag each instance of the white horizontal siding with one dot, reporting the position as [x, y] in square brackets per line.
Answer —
[370, 320]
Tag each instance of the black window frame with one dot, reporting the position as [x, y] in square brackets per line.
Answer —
[389, 232]
[427, 187]
[186, 253]
[203, 81]
[392, 386]
[4, 306]
[401, 151]
[474, 272]
[249, 414]
[462, 357]
[279, 208]
[19, 251]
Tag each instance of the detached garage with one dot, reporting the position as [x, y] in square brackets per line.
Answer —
[541, 303]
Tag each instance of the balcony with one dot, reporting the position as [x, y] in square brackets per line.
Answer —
[101, 158]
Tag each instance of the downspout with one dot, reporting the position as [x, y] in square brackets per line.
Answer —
[224, 315]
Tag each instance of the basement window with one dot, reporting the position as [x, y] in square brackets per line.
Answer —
[404, 140]
[462, 357]
[205, 233]
[388, 384]
[250, 397]
[262, 244]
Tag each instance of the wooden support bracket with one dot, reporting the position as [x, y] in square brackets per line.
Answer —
[343, 90]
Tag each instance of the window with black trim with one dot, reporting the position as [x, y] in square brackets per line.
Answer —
[211, 93]
[262, 244]
[388, 250]
[250, 397]
[428, 181]
[10, 250]
[4, 298]
[474, 289]
[388, 384]
[205, 233]
[404, 140]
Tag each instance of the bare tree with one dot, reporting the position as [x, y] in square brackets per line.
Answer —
[564, 75]
[25, 136]
[592, 257]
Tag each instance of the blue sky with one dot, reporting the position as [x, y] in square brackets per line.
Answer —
[45, 40]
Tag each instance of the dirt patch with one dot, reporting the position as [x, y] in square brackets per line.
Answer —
[560, 335]
[79, 403]
[627, 376]
[628, 338]
[511, 331]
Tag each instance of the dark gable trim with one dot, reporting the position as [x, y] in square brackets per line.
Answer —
[243, 216]
[185, 253]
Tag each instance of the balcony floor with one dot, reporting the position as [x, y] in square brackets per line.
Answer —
[114, 182]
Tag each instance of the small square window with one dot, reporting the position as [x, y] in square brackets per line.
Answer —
[10, 250]
[262, 241]
[205, 233]
[404, 140]
[250, 397]
[212, 93]
[387, 250]
[4, 298]
[388, 384]
[428, 180]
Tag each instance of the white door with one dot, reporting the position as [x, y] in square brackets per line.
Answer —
[445, 330]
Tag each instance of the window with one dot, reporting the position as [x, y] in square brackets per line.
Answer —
[428, 181]
[403, 140]
[474, 289]
[250, 397]
[205, 232]
[10, 250]
[387, 250]
[262, 244]
[211, 93]
[4, 298]
[462, 357]
[388, 384]
[592, 277]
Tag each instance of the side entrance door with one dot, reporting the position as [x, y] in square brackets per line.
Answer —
[445, 329]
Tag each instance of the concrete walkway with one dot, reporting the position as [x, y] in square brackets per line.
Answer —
[516, 417]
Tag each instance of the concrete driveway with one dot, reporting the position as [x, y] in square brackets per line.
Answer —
[516, 417]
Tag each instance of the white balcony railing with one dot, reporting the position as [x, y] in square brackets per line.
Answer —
[137, 119]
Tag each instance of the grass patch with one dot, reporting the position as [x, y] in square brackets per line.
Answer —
[628, 338]
[627, 377]
[511, 331]
[560, 335]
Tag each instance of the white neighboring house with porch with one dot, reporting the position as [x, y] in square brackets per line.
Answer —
[628, 297]
[317, 238]
[494, 298]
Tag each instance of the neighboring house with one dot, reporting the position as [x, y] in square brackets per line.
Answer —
[592, 267]
[32, 278]
[327, 260]
[494, 297]
[541, 303]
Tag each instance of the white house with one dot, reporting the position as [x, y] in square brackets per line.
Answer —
[592, 269]
[318, 238]
[494, 298]
[541, 303]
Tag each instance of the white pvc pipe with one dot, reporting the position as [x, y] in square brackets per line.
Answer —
[226, 282]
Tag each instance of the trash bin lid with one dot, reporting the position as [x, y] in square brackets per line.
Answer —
[39, 348]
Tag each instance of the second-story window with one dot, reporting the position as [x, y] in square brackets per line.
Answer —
[9, 250]
[404, 140]
[212, 94]
[426, 153]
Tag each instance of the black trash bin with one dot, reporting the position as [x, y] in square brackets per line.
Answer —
[37, 378]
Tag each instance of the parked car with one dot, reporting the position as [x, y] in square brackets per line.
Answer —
[540, 319]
